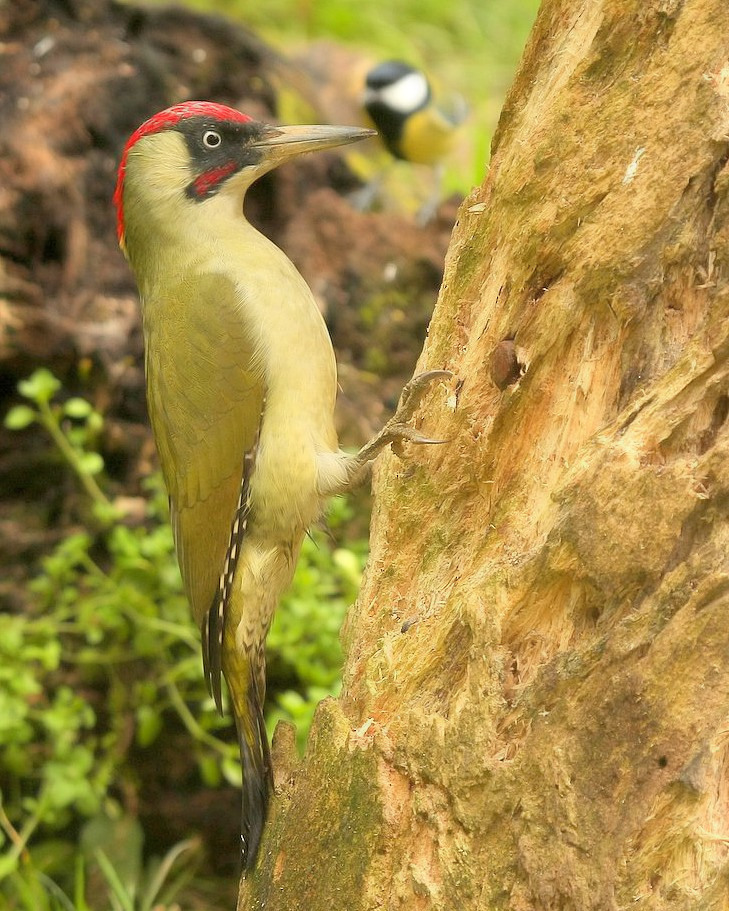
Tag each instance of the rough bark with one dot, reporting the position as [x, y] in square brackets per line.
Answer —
[537, 685]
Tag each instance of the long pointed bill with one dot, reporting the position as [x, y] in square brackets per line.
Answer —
[279, 143]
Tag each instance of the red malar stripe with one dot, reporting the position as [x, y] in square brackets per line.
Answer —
[206, 182]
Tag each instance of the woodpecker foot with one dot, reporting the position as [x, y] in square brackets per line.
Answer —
[397, 429]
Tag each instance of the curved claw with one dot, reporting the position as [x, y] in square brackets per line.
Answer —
[398, 433]
[398, 429]
[427, 375]
[421, 380]
[414, 390]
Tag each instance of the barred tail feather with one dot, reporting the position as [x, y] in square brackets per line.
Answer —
[257, 771]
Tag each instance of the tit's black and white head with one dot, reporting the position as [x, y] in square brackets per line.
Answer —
[200, 157]
[394, 92]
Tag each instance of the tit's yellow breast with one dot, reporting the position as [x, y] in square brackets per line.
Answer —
[427, 137]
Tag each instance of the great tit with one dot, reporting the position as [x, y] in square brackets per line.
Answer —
[413, 126]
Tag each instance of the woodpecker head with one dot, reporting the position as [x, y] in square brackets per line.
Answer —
[394, 91]
[198, 151]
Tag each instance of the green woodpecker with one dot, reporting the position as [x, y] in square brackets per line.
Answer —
[241, 385]
[413, 125]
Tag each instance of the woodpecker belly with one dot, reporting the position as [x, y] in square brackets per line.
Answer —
[284, 499]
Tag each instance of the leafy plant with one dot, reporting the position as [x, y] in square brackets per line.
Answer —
[76, 442]
[108, 645]
[112, 847]
[109, 871]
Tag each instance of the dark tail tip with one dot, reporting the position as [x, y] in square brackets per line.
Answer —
[257, 779]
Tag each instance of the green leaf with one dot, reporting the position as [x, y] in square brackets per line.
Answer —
[350, 565]
[90, 463]
[54, 891]
[94, 422]
[209, 766]
[8, 864]
[77, 408]
[149, 724]
[20, 417]
[40, 386]
[120, 838]
[79, 895]
[162, 873]
[114, 882]
[105, 513]
[231, 770]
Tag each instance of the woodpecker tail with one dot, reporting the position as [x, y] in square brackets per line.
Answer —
[247, 690]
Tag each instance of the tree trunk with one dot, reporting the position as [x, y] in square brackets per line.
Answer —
[536, 693]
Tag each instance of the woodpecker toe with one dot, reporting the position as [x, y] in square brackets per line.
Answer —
[414, 391]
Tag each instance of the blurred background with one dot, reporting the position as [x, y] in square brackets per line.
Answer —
[119, 783]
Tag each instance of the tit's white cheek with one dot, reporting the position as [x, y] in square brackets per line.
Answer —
[405, 95]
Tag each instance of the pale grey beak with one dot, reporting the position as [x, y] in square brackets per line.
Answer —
[279, 143]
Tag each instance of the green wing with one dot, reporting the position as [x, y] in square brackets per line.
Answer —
[205, 400]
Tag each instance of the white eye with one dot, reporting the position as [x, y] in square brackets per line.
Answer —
[211, 139]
